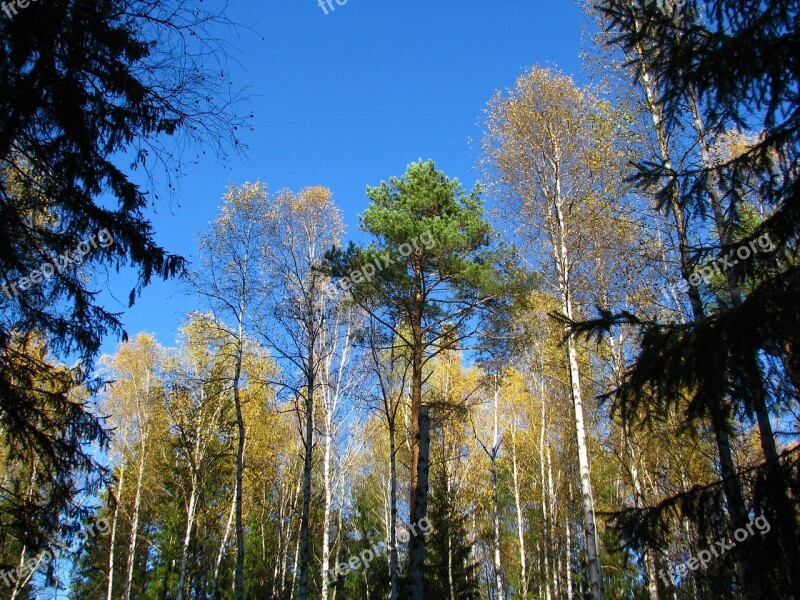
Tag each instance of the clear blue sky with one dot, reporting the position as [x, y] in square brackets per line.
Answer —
[348, 99]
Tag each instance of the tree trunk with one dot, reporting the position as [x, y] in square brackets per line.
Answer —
[221, 551]
[112, 543]
[308, 448]
[393, 558]
[419, 462]
[451, 584]
[639, 499]
[20, 582]
[296, 559]
[592, 546]
[135, 519]
[520, 518]
[546, 538]
[339, 516]
[420, 507]
[498, 569]
[568, 557]
[190, 514]
[285, 565]
[238, 579]
[326, 527]
[720, 412]
[725, 234]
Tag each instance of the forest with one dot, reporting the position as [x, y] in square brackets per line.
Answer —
[577, 379]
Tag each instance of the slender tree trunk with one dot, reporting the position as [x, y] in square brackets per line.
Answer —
[280, 559]
[285, 566]
[592, 546]
[451, 583]
[520, 518]
[393, 557]
[725, 234]
[222, 546]
[758, 399]
[240, 431]
[568, 557]
[296, 559]
[190, 515]
[553, 508]
[135, 518]
[308, 447]
[327, 519]
[112, 543]
[498, 568]
[546, 538]
[339, 516]
[720, 417]
[20, 582]
[639, 499]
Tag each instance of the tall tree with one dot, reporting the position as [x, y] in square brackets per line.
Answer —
[86, 82]
[297, 327]
[707, 63]
[229, 278]
[390, 366]
[195, 403]
[551, 155]
[135, 403]
[429, 271]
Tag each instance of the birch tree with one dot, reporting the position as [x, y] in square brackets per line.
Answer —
[195, 403]
[390, 367]
[229, 279]
[135, 403]
[549, 153]
[297, 324]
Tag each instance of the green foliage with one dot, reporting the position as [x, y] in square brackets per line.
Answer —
[431, 239]
[449, 546]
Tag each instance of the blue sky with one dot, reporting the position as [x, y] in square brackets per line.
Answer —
[348, 99]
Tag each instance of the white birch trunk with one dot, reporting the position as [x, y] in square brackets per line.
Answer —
[190, 514]
[545, 496]
[553, 505]
[568, 558]
[520, 517]
[326, 482]
[498, 569]
[296, 569]
[592, 545]
[112, 542]
[135, 518]
[222, 545]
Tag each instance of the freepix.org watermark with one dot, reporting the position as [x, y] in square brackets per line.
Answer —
[379, 549]
[368, 271]
[60, 262]
[10, 8]
[715, 550]
[328, 7]
[717, 266]
[57, 550]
